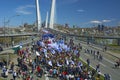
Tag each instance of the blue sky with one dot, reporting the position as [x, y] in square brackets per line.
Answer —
[83, 13]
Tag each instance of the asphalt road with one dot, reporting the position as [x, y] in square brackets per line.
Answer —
[106, 65]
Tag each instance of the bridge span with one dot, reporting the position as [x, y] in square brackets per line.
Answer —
[22, 34]
[88, 37]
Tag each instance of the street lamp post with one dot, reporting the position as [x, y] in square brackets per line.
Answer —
[4, 32]
[5, 23]
[9, 24]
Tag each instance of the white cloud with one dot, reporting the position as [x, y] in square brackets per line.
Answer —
[105, 21]
[24, 9]
[80, 10]
[95, 22]
[24, 12]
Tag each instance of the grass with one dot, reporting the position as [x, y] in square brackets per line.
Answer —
[115, 51]
[1, 79]
[112, 45]
[115, 48]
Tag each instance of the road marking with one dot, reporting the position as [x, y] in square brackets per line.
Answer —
[109, 61]
[102, 64]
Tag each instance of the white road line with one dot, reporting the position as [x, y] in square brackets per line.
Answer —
[102, 64]
[109, 61]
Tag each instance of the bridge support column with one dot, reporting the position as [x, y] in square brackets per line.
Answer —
[118, 42]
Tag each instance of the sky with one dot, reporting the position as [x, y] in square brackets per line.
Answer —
[82, 13]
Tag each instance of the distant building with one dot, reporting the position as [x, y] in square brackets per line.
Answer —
[66, 25]
[101, 27]
[1, 31]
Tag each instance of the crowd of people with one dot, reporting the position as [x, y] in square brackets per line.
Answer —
[55, 57]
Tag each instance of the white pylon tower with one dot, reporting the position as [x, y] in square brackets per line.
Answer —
[46, 22]
[52, 15]
[38, 15]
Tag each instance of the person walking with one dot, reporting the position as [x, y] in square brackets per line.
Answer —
[14, 75]
[88, 62]
[97, 67]
[12, 66]
[4, 70]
